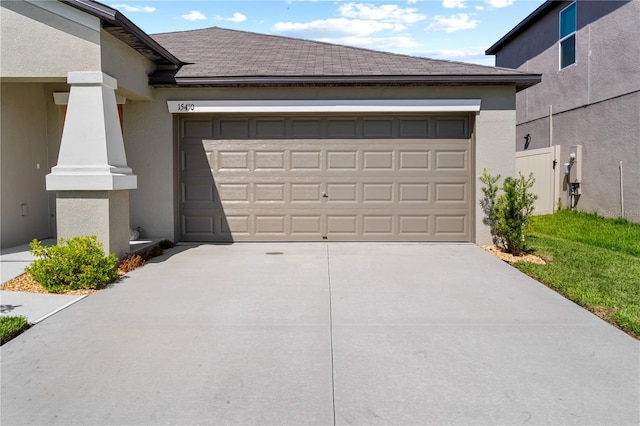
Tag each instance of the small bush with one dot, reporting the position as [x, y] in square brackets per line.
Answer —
[131, 262]
[10, 327]
[509, 213]
[167, 244]
[76, 263]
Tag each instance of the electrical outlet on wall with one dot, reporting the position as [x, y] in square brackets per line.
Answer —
[575, 153]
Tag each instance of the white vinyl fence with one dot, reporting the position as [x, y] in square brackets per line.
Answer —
[540, 162]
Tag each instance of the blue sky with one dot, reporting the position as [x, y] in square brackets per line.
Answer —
[459, 30]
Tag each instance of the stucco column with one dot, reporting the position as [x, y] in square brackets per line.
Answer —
[92, 178]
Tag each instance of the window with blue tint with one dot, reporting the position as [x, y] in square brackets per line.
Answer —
[568, 35]
[568, 20]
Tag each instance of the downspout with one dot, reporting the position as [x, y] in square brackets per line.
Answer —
[621, 193]
[550, 126]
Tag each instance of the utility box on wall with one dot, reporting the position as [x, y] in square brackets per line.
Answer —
[575, 158]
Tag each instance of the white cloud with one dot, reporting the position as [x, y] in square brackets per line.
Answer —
[129, 8]
[237, 17]
[452, 23]
[454, 4]
[194, 15]
[333, 27]
[377, 43]
[385, 12]
[472, 55]
[499, 3]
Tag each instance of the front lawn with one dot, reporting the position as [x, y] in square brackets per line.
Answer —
[594, 261]
[10, 327]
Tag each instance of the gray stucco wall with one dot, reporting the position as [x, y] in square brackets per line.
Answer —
[151, 143]
[594, 102]
[24, 161]
[607, 58]
[129, 67]
[608, 133]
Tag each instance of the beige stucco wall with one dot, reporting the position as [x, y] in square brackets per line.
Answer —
[104, 214]
[24, 161]
[37, 42]
[150, 140]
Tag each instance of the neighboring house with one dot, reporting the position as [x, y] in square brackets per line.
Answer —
[589, 55]
[221, 135]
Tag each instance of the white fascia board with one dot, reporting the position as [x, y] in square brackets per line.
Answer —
[324, 106]
[68, 12]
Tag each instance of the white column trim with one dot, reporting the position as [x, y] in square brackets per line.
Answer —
[62, 98]
[92, 155]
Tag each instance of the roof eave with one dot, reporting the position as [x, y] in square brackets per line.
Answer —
[116, 19]
[522, 26]
[521, 81]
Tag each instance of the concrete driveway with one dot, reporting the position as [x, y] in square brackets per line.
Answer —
[322, 334]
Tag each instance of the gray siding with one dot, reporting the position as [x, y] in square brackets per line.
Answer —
[595, 101]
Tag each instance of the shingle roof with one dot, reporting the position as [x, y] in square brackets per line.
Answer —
[218, 56]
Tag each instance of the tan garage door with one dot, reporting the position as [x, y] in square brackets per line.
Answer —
[326, 178]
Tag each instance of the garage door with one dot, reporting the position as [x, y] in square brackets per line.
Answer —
[326, 178]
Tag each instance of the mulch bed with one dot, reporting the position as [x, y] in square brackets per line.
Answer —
[508, 257]
[26, 283]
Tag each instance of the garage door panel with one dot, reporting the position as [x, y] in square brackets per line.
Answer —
[414, 160]
[306, 225]
[378, 225]
[197, 193]
[306, 192]
[451, 193]
[271, 160]
[341, 160]
[450, 224]
[306, 160]
[234, 192]
[275, 183]
[378, 160]
[414, 225]
[197, 129]
[270, 225]
[342, 224]
[342, 192]
[452, 160]
[238, 225]
[414, 192]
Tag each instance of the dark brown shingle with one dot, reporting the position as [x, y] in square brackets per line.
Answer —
[218, 54]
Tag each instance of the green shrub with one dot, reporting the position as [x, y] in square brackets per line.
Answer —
[10, 327]
[488, 202]
[76, 263]
[508, 214]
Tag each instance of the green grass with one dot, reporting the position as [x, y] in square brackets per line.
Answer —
[10, 327]
[595, 263]
[613, 234]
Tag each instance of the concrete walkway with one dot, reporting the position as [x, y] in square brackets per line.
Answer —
[323, 334]
[35, 306]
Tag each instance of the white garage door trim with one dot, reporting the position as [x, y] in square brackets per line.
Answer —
[324, 106]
